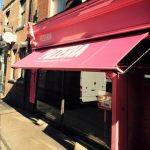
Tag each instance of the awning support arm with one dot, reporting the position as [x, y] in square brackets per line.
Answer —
[124, 71]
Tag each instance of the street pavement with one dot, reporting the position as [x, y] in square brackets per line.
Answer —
[19, 133]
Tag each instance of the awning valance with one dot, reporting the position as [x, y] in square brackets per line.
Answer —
[94, 56]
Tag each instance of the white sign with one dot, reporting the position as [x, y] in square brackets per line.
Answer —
[9, 37]
[69, 52]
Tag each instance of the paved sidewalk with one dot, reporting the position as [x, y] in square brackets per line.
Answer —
[19, 133]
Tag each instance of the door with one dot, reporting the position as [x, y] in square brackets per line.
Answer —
[138, 109]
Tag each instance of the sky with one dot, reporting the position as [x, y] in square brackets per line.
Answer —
[1, 3]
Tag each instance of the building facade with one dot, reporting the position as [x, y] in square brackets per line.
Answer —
[93, 36]
[16, 15]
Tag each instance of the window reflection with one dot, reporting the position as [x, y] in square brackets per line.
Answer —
[87, 102]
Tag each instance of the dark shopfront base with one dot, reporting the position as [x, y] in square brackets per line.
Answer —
[85, 124]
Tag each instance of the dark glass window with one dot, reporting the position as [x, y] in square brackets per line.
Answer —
[60, 96]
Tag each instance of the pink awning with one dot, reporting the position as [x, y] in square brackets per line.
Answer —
[94, 56]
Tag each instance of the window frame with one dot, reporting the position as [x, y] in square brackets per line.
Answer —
[62, 8]
[22, 13]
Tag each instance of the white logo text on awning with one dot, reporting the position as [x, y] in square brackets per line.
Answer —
[66, 52]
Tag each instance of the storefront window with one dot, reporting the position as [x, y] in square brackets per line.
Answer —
[87, 102]
[49, 92]
[104, 96]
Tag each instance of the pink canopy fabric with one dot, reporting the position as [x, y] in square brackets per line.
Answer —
[94, 56]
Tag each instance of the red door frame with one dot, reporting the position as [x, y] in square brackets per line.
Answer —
[33, 83]
[119, 112]
[90, 20]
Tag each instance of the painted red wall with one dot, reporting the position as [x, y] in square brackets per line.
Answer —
[93, 19]
[33, 82]
[119, 113]
[131, 111]
[139, 110]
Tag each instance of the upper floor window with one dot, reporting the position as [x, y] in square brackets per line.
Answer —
[57, 6]
[30, 19]
[12, 59]
[72, 3]
[22, 53]
[33, 12]
[7, 18]
[22, 12]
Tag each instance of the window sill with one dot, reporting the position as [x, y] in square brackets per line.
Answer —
[12, 81]
[20, 28]
[16, 81]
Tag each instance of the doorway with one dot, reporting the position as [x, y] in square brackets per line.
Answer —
[138, 109]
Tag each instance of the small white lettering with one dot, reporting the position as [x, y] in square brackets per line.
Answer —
[46, 37]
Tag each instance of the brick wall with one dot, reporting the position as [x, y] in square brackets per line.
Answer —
[14, 92]
[6, 2]
[13, 18]
[43, 9]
